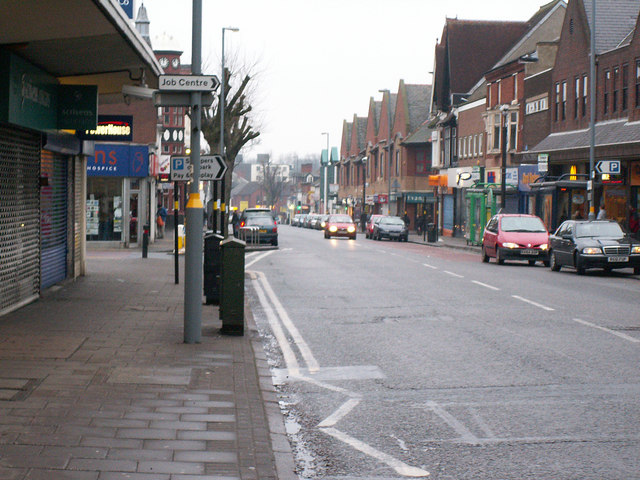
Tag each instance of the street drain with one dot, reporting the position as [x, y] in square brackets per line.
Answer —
[17, 389]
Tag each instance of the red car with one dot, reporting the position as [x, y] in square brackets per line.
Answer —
[516, 237]
[369, 227]
[340, 225]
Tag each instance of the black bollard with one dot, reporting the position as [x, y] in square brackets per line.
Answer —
[145, 241]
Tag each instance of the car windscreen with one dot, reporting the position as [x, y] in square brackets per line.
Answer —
[599, 229]
[522, 224]
[340, 219]
[391, 221]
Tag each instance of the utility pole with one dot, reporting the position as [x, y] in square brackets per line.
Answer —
[194, 208]
[592, 114]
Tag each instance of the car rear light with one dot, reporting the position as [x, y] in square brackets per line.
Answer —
[242, 224]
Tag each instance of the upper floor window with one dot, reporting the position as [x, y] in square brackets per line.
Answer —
[564, 100]
[625, 87]
[513, 130]
[607, 87]
[576, 101]
[637, 92]
[616, 86]
[585, 89]
[556, 106]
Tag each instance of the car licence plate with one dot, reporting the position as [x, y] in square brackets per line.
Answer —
[263, 230]
[529, 251]
[618, 259]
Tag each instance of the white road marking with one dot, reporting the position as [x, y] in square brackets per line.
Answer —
[608, 330]
[454, 423]
[289, 357]
[258, 258]
[400, 467]
[485, 285]
[531, 302]
[430, 266]
[340, 413]
[305, 351]
[453, 274]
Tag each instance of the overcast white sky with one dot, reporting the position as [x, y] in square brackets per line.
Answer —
[319, 61]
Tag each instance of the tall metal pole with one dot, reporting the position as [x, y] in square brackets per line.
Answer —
[176, 261]
[194, 242]
[326, 169]
[388, 92]
[503, 168]
[592, 114]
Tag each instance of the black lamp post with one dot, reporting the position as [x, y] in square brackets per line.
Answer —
[504, 109]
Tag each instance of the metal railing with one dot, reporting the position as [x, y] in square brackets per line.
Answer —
[249, 234]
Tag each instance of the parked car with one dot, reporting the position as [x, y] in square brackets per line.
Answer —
[306, 223]
[369, 226]
[515, 237]
[259, 229]
[314, 220]
[322, 223]
[390, 227]
[300, 219]
[585, 244]
[340, 225]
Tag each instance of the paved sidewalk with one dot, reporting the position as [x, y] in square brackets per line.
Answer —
[459, 243]
[97, 384]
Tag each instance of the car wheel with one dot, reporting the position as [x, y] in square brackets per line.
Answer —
[532, 263]
[485, 257]
[326, 235]
[545, 263]
[636, 270]
[553, 262]
[578, 263]
[274, 242]
[352, 238]
[499, 258]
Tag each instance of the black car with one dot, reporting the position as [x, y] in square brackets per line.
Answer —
[587, 244]
[259, 229]
[392, 228]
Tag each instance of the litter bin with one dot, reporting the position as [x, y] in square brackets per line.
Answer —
[432, 232]
[212, 267]
[232, 287]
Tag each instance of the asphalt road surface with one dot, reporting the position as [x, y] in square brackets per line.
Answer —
[399, 360]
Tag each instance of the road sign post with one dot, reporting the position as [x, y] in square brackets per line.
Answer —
[212, 168]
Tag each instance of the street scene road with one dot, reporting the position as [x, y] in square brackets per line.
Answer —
[397, 360]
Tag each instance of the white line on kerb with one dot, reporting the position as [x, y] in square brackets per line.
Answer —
[485, 285]
[608, 330]
[400, 467]
[531, 302]
[430, 266]
[453, 274]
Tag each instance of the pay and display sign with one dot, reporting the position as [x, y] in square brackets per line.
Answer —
[212, 167]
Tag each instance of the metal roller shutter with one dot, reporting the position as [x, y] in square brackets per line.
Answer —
[19, 217]
[78, 214]
[53, 219]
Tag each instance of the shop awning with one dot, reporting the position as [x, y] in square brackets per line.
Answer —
[82, 42]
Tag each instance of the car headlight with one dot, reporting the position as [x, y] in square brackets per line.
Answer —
[592, 251]
[635, 249]
[544, 246]
[323, 224]
[333, 228]
[351, 229]
[510, 245]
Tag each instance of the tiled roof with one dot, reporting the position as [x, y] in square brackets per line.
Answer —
[418, 99]
[475, 46]
[616, 19]
[362, 132]
[420, 136]
[607, 133]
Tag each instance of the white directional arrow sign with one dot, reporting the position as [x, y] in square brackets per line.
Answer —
[188, 83]
[212, 167]
[611, 167]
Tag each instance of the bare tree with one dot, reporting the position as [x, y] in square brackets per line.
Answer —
[273, 180]
[239, 128]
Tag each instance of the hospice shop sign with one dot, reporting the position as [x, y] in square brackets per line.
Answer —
[117, 160]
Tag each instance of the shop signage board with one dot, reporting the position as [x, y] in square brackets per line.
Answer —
[543, 162]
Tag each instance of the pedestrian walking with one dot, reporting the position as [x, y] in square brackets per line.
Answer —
[235, 221]
[161, 220]
[406, 219]
[602, 213]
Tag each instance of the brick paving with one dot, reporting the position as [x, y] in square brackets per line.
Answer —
[97, 384]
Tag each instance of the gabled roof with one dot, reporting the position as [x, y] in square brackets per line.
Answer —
[362, 132]
[421, 136]
[615, 21]
[475, 46]
[418, 106]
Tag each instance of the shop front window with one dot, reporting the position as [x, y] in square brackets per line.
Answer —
[104, 209]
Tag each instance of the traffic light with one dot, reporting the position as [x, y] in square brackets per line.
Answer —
[299, 206]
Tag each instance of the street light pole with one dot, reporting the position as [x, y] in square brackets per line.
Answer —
[222, 107]
[326, 169]
[504, 110]
[388, 151]
[592, 114]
